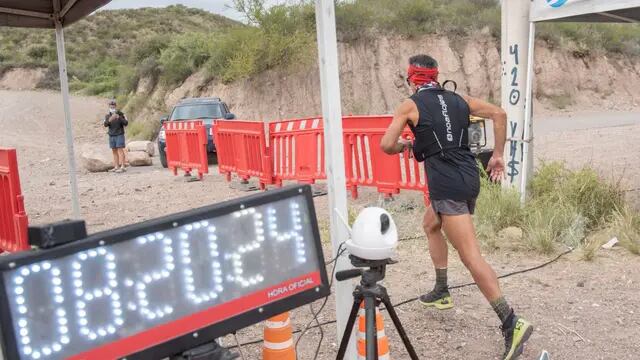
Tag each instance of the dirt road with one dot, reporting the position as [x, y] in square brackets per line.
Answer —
[582, 310]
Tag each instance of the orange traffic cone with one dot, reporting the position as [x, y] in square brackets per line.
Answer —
[278, 339]
[383, 341]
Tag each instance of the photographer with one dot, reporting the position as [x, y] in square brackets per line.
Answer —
[116, 121]
[439, 120]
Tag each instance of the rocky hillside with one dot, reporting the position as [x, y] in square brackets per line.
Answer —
[372, 79]
[108, 50]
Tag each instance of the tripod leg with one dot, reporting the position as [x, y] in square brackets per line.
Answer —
[398, 325]
[371, 328]
[348, 330]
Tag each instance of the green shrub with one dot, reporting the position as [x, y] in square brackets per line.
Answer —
[104, 80]
[583, 189]
[545, 181]
[283, 39]
[127, 79]
[546, 224]
[184, 56]
[235, 55]
[354, 19]
[564, 207]
[135, 104]
[625, 224]
[41, 53]
[139, 130]
[585, 38]
[412, 18]
[497, 208]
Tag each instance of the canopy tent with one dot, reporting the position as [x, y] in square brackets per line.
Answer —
[45, 13]
[53, 14]
[519, 18]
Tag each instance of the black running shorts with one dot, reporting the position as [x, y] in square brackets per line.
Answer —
[454, 207]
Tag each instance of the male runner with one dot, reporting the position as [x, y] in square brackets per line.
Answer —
[439, 120]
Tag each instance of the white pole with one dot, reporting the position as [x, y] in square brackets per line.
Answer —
[527, 151]
[515, 36]
[334, 154]
[64, 88]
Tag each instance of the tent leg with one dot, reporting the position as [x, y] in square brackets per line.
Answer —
[527, 149]
[334, 152]
[64, 88]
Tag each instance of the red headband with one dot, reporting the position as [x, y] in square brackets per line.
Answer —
[421, 75]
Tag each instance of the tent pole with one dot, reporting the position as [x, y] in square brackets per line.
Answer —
[64, 88]
[334, 155]
[527, 150]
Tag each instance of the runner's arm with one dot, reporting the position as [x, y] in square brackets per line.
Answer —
[402, 116]
[487, 110]
[483, 109]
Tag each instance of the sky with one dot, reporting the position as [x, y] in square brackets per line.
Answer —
[221, 7]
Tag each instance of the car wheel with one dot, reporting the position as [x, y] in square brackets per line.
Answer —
[163, 158]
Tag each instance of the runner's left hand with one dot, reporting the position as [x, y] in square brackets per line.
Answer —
[495, 168]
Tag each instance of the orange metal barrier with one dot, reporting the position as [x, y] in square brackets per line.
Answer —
[297, 147]
[242, 149]
[13, 218]
[186, 146]
[367, 165]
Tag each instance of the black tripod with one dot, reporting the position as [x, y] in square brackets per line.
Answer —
[372, 294]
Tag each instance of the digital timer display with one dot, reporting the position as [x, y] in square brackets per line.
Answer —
[162, 280]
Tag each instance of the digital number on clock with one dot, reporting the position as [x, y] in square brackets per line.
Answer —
[71, 304]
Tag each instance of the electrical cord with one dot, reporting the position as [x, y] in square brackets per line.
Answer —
[334, 261]
[235, 336]
[315, 316]
[499, 277]
[329, 322]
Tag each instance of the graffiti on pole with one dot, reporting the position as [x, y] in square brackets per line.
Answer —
[513, 165]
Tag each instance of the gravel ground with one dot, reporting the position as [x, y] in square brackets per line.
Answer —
[581, 310]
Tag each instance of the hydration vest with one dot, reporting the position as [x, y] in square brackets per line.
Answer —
[443, 122]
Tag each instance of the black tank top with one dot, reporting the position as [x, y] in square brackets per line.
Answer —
[441, 141]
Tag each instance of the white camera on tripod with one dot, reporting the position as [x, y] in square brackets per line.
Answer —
[374, 235]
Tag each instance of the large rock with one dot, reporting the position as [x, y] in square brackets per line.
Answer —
[140, 158]
[146, 146]
[96, 159]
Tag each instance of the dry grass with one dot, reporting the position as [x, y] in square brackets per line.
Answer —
[565, 208]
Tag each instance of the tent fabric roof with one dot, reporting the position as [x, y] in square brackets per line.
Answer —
[41, 13]
[586, 11]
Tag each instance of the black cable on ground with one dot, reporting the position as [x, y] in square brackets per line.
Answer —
[333, 261]
[404, 302]
[499, 277]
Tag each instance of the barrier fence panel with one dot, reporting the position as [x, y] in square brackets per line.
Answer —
[242, 149]
[297, 147]
[13, 218]
[296, 153]
[367, 165]
[186, 146]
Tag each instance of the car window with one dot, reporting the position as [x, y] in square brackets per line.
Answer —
[196, 111]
